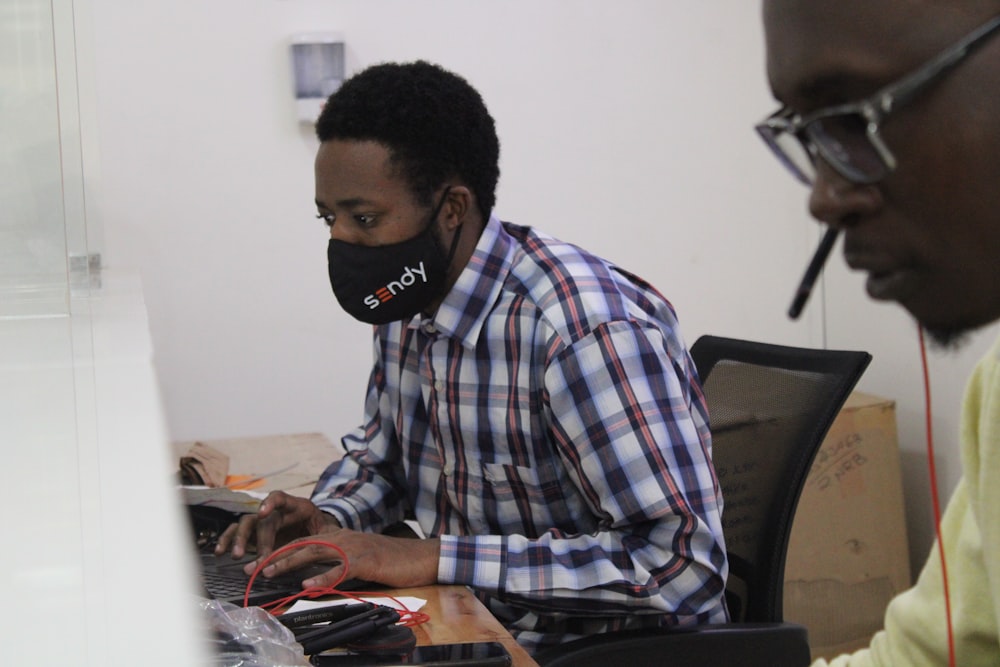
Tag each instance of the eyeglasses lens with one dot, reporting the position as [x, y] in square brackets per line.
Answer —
[842, 140]
[790, 151]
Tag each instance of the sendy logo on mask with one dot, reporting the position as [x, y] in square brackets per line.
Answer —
[384, 294]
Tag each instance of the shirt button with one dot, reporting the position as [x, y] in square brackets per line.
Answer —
[438, 385]
[430, 328]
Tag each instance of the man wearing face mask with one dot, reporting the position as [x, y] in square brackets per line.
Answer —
[531, 406]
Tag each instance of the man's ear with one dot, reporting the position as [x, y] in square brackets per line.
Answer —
[459, 207]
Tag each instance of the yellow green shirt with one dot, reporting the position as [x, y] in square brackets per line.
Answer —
[915, 633]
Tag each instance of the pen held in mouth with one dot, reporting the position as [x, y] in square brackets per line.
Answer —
[812, 272]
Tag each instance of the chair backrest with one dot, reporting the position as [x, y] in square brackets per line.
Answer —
[770, 408]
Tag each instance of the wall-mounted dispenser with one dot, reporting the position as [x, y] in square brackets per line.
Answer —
[318, 67]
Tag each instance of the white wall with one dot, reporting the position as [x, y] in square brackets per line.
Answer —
[625, 126]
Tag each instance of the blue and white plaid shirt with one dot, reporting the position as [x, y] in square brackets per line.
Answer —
[547, 424]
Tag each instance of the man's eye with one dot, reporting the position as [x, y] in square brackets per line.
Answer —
[365, 220]
[327, 218]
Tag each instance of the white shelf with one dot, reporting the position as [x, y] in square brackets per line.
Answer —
[94, 541]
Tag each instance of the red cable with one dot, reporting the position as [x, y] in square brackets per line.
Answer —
[407, 617]
[934, 497]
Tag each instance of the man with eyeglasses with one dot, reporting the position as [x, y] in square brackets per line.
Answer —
[891, 115]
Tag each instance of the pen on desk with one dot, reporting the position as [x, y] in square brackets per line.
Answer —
[338, 634]
[812, 272]
[306, 632]
[332, 614]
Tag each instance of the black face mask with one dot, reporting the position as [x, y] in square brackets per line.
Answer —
[386, 283]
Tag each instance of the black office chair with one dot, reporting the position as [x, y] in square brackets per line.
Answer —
[770, 407]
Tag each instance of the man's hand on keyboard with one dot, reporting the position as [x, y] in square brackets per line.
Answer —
[279, 519]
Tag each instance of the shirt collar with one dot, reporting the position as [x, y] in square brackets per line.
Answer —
[464, 309]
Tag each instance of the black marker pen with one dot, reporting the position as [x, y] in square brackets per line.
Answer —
[812, 272]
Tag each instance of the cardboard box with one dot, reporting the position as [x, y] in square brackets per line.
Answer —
[848, 554]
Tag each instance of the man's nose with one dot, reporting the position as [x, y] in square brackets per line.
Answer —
[338, 232]
[839, 202]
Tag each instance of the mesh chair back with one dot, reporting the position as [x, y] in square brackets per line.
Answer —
[770, 408]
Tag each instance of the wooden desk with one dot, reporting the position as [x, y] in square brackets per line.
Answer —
[457, 616]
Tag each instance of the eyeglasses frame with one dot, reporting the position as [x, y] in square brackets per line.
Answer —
[874, 109]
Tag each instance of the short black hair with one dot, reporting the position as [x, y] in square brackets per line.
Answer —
[434, 124]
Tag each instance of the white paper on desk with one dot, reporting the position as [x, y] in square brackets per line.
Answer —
[398, 603]
[239, 502]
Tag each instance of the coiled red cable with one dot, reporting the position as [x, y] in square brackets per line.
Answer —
[407, 617]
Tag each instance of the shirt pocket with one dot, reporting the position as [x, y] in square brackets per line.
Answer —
[530, 501]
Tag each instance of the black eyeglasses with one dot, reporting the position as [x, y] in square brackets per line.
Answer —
[847, 136]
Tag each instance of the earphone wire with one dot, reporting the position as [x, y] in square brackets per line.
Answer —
[932, 471]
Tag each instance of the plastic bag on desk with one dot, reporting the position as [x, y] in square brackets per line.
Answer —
[249, 637]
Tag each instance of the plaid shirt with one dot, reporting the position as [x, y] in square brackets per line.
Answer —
[547, 424]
